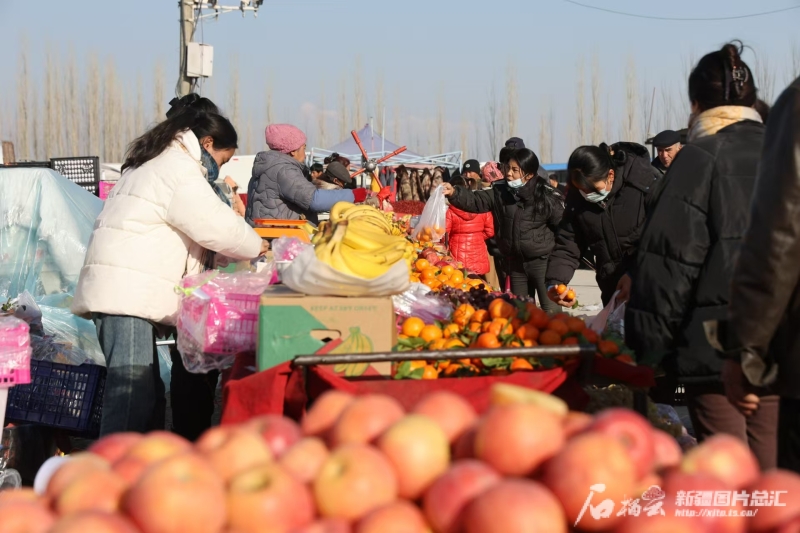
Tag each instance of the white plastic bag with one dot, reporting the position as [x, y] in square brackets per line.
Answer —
[308, 275]
[433, 220]
[599, 322]
[417, 302]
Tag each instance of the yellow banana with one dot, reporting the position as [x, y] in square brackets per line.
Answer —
[362, 268]
[378, 224]
[360, 210]
[387, 256]
[339, 208]
[369, 240]
[365, 226]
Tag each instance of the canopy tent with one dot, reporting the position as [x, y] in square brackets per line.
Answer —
[378, 147]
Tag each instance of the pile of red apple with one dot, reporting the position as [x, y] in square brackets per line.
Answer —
[364, 465]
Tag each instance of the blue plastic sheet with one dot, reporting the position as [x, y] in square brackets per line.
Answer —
[45, 225]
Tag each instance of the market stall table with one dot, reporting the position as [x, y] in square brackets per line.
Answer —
[290, 387]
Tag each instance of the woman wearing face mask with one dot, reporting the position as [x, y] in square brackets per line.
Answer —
[157, 226]
[690, 246]
[526, 213]
[279, 189]
[604, 215]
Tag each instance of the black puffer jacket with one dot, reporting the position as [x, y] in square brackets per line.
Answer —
[688, 251]
[765, 298]
[610, 230]
[520, 233]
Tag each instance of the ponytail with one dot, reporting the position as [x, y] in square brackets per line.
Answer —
[723, 78]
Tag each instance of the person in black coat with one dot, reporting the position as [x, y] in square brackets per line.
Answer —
[689, 248]
[526, 214]
[604, 214]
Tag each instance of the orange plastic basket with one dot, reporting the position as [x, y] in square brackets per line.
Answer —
[274, 228]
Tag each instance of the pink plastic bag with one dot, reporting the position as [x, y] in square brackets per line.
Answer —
[15, 352]
[218, 317]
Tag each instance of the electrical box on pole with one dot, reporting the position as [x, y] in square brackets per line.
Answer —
[199, 60]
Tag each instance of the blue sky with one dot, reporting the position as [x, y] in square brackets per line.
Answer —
[428, 51]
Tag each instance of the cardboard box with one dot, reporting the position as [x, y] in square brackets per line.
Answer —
[292, 324]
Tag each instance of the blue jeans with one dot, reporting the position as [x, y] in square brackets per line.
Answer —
[134, 397]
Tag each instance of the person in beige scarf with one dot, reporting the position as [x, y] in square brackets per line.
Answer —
[684, 268]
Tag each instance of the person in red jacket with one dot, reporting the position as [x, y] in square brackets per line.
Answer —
[467, 234]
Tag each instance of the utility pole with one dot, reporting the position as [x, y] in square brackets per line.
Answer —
[187, 33]
[191, 13]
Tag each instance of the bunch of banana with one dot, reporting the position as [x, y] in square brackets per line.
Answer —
[347, 211]
[396, 228]
[358, 248]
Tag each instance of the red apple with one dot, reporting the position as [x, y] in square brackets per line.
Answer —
[76, 467]
[325, 412]
[94, 522]
[515, 439]
[179, 494]
[98, 490]
[464, 446]
[267, 499]
[305, 458]
[354, 480]
[419, 450]
[668, 451]
[669, 523]
[25, 517]
[233, 449]
[515, 505]
[154, 447]
[589, 460]
[787, 484]
[279, 432]
[575, 422]
[326, 525]
[452, 412]
[449, 494]
[634, 431]
[365, 419]
[396, 517]
[681, 486]
[21, 495]
[113, 447]
[725, 457]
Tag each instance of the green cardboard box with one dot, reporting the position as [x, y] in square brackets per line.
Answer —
[292, 324]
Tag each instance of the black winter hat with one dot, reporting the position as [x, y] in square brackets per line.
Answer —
[666, 138]
[338, 171]
[515, 143]
[471, 165]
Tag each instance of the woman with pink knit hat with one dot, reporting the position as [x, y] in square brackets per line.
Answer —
[279, 189]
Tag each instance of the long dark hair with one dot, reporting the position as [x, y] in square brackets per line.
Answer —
[722, 78]
[159, 137]
[590, 164]
[191, 101]
[543, 199]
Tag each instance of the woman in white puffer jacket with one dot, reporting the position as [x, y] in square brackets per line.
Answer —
[159, 224]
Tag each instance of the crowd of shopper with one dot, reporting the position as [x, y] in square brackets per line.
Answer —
[702, 244]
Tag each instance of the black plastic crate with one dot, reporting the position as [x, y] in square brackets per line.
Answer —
[85, 171]
[61, 396]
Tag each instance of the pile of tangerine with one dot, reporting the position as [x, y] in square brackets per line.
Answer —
[446, 276]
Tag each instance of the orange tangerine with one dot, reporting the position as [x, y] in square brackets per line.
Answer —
[422, 264]
[447, 269]
[412, 326]
[549, 338]
[431, 333]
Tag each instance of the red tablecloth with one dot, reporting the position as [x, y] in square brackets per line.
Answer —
[287, 391]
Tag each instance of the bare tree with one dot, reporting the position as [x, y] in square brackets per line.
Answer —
[440, 123]
[233, 93]
[23, 147]
[546, 135]
[73, 107]
[60, 118]
[93, 107]
[597, 123]
[358, 96]
[580, 107]
[343, 113]
[396, 121]
[158, 96]
[794, 66]
[492, 119]
[631, 128]
[667, 108]
[380, 104]
[138, 113]
[269, 111]
[36, 123]
[512, 97]
[248, 135]
[321, 117]
[464, 136]
[49, 89]
[765, 79]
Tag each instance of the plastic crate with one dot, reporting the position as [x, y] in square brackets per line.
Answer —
[85, 171]
[61, 396]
